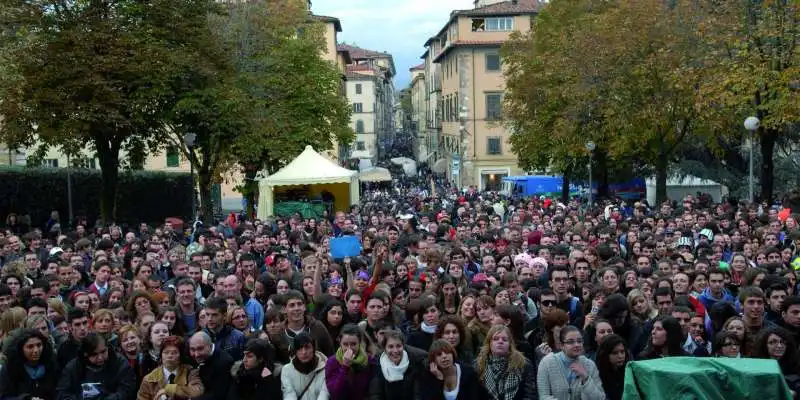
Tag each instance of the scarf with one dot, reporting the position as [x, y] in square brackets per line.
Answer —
[567, 362]
[35, 373]
[431, 329]
[501, 383]
[358, 363]
[155, 355]
[305, 368]
[391, 371]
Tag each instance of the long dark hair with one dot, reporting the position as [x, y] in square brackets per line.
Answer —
[15, 357]
[674, 342]
[791, 357]
[608, 374]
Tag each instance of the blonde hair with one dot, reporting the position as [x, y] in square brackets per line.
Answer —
[233, 309]
[516, 361]
[58, 306]
[11, 319]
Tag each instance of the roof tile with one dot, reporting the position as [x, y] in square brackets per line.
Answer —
[506, 7]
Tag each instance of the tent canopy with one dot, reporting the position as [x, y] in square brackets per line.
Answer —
[310, 168]
[375, 174]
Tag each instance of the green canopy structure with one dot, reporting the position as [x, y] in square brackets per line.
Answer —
[692, 378]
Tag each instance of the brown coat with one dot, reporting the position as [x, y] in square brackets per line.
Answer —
[187, 384]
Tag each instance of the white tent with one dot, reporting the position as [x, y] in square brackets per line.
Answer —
[409, 165]
[375, 174]
[310, 168]
[678, 188]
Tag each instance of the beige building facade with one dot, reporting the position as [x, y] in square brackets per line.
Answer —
[469, 91]
[370, 91]
[419, 108]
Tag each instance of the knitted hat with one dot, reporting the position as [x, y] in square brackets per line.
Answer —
[707, 233]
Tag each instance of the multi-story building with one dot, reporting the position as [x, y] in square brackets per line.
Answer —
[473, 138]
[433, 90]
[370, 90]
[418, 128]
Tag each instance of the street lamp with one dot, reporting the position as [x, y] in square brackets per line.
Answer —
[751, 124]
[590, 146]
[189, 139]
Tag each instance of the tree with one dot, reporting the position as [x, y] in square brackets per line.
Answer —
[624, 74]
[95, 73]
[295, 95]
[549, 100]
[755, 70]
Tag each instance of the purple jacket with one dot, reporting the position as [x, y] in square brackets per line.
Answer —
[346, 384]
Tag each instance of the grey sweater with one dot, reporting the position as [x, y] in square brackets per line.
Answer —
[553, 385]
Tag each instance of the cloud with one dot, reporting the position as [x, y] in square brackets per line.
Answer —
[398, 27]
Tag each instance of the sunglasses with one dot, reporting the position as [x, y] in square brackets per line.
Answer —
[548, 303]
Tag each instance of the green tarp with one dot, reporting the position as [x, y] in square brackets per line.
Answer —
[307, 210]
[685, 378]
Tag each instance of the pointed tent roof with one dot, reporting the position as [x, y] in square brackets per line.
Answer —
[310, 168]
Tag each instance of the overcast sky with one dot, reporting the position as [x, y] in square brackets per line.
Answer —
[398, 27]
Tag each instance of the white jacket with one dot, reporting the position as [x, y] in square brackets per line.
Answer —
[293, 382]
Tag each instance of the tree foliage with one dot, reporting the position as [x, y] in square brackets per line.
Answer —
[98, 74]
[294, 94]
[647, 79]
[754, 47]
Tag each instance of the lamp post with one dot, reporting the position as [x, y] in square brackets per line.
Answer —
[751, 124]
[590, 146]
[189, 139]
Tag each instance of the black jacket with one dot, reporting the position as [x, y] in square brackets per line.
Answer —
[116, 378]
[15, 384]
[430, 388]
[420, 339]
[380, 389]
[250, 385]
[215, 374]
[67, 351]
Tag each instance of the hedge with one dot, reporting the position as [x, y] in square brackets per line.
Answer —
[142, 196]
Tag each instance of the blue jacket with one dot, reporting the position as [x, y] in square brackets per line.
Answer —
[708, 300]
[229, 339]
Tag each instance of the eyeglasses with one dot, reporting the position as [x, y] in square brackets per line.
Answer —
[573, 342]
[548, 303]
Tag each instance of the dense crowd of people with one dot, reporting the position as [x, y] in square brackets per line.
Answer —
[459, 296]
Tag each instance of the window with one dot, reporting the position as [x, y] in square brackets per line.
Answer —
[478, 25]
[358, 107]
[360, 146]
[493, 62]
[173, 158]
[494, 146]
[358, 88]
[50, 163]
[494, 104]
[359, 126]
[502, 24]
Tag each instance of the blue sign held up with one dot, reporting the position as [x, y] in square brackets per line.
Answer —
[345, 246]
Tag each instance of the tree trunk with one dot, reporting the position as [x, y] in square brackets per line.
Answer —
[565, 186]
[600, 170]
[661, 177]
[250, 189]
[204, 187]
[768, 138]
[108, 156]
